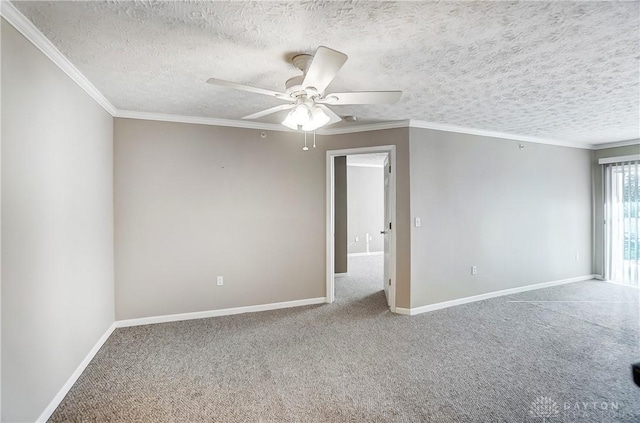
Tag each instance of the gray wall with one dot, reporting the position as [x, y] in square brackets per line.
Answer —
[57, 227]
[598, 201]
[365, 186]
[193, 202]
[340, 213]
[520, 216]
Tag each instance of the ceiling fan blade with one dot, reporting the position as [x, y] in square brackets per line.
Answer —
[270, 111]
[362, 97]
[333, 118]
[324, 67]
[235, 85]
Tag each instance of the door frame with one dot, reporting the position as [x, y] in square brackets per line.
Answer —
[330, 215]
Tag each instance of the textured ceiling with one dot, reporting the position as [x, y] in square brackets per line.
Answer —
[560, 70]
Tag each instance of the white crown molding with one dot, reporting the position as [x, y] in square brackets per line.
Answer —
[495, 134]
[363, 128]
[164, 117]
[616, 144]
[38, 39]
[446, 304]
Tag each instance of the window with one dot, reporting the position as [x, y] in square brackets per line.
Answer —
[622, 221]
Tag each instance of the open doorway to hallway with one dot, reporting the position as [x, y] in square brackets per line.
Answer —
[359, 229]
[362, 222]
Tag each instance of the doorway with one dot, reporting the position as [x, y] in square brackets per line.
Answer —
[387, 231]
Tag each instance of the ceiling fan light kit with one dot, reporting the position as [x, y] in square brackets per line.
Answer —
[306, 93]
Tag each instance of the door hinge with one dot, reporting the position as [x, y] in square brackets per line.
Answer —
[389, 168]
[389, 282]
[389, 225]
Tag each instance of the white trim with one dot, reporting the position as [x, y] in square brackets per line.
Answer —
[364, 165]
[55, 402]
[625, 143]
[619, 159]
[362, 150]
[495, 134]
[472, 299]
[363, 128]
[163, 117]
[330, 217]
[217, 313]
[340, 275]
[330, 228]
[23, 25]
[371, 253]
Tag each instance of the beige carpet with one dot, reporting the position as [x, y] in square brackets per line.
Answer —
[498, 360]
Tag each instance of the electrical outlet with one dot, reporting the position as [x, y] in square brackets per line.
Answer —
[418, 222]
[474, 270]
[220, 281]
[356, 239]
[577, 256]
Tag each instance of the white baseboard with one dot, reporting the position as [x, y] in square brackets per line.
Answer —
[373, 253]
[216, 313]
[55, 402]
[474, 298]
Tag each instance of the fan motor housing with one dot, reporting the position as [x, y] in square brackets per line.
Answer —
[296, 90]
[294, 85]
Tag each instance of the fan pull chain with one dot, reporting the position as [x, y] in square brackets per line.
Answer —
[314, 139]
[305, 148]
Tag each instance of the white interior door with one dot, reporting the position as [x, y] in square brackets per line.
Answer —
[386, 231]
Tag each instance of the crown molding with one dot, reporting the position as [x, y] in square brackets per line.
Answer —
[616, 144]
[165, 117]
[12, 15]
[364, 128]
[495, 134]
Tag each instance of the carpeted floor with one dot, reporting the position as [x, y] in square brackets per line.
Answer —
[501, 360]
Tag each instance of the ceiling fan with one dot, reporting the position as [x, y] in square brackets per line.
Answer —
[305, 94]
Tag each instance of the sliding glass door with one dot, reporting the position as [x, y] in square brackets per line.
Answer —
[622, 222]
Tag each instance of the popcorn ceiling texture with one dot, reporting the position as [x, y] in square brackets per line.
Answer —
[561, 70]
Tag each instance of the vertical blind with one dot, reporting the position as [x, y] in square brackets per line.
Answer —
[622, 221]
